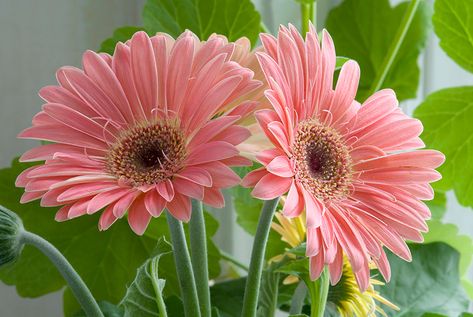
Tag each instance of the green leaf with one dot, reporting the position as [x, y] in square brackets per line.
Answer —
[232, 18]
[453, 23]
[448, 233]
[446, 116]
[299, 315]
[430, 283]
[108, 310]
[340, 61]
[269, 289]
[122, 34]
[364, 30]
[105, 260]
[146, 291]
[438, 205]
[227, 297]
[248, 210]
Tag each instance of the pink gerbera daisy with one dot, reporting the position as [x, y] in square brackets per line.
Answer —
[353, 168]
[145, 129]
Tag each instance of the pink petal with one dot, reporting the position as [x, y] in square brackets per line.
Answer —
[253, 177]
[180, 207]
[107, 218]
[138, 216]
[214, 197]
[271, 186]
[197, 175]
[210, 152]
[188, 188]
[294, 203]
[166, 190]
[280, 166]
[154, 203]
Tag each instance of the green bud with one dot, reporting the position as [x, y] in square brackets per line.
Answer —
[11, 228]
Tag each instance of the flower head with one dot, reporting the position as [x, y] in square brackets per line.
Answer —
[11, 228]
[148, 128]
[355, 169]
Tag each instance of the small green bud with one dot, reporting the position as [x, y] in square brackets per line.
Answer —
[11, 228]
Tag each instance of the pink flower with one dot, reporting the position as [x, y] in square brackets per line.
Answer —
[145, 129]
[353, 168]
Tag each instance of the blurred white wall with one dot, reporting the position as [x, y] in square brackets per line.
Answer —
[40, 36]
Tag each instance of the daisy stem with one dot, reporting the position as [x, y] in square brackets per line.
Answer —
[185, 273]
[75, 282]
[395, 46]
[250, 300]
[318, 291]
[198, 240]
[308, 12]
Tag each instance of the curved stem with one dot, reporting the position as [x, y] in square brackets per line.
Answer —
[297, 301]
[75, 282]
[318, 291]
[185, 274]
[227, 257]
[395, 46]
[158, 290]
[250, 300]
[198, 240]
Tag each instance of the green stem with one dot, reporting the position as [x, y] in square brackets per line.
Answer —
[185, 274]
[159, 298]
[250, 300]
[227, 257]
[395, 46]
[297, 301]
[307, 13]
[318, 291]
[77, 285]
[198, 240]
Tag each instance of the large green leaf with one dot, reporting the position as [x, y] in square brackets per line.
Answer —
[448, 233]
[143, 294]
[364, 30]
[438, 205]
[430, 283]
[228, 297]
[233, 18]
[105, 260]
[453, 23]
[446, 116]
[119, 35]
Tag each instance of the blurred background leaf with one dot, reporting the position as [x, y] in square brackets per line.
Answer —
[232, 18]
[364, 30]
[453, 23]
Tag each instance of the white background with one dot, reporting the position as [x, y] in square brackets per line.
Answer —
[39, 36]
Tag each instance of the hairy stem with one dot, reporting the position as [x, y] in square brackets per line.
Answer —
[318, 291]
[250, 300]
[75, 282]
[185, 274]
[198, 240]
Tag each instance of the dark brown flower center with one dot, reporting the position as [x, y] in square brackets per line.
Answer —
[323, 162]
[147, 154]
